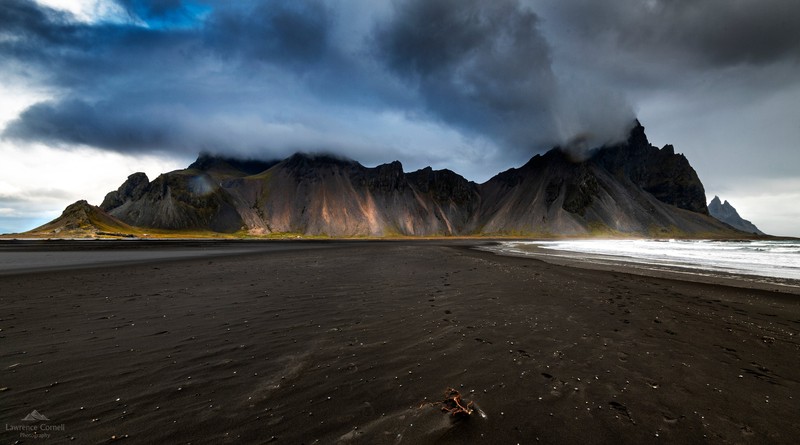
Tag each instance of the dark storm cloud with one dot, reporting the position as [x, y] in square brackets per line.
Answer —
[294, 33]
[122, 83]
[99, 125]
[482, 69]
[85, 60]
[479, 65]
[685, 34]
[279, 33]
[125, 125]
[722, 32]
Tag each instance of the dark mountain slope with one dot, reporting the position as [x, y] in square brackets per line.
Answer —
[188, 199]
[662, 173]
[326, 195]
[632, 187]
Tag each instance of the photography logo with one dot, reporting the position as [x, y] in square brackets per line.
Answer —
[36, 426]
[35, 416]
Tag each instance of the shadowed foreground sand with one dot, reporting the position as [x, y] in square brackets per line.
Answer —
[343, 344]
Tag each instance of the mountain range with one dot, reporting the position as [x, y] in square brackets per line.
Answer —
[726, 213]
[629, 188]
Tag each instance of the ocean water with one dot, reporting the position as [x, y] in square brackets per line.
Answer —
[774, 259]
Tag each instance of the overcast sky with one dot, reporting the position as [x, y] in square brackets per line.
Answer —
[92, 91]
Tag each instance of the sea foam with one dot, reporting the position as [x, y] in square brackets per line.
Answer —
[774, 259]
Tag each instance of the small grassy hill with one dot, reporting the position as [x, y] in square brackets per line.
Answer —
[83, 220]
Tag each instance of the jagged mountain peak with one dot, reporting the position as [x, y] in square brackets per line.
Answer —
[637, 136]
[394, 166]
[661, 172]
[132, 189]
[429, 173]
[726, 213]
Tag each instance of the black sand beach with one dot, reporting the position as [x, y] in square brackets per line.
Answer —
[346, 342]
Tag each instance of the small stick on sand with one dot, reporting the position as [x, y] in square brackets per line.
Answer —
[453, 404]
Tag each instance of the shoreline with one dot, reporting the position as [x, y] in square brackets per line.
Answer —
[609, 263]
[180, 249]
[354, 343]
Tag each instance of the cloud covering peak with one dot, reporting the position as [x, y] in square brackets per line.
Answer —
[469, 79]
[426, 81]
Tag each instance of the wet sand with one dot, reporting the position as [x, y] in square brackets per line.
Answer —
[345, 342]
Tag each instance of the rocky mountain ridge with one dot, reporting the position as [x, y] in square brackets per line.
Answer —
[726, 213]
[631, 188]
